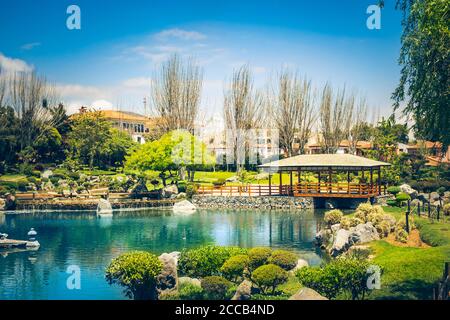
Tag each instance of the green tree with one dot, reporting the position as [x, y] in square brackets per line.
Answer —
[173, 153]
[48, 145]
[425, 57]
[9, 130]
[93, 141]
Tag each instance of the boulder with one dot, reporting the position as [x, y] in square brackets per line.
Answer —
[406, 188]
[184, 207]
[175, 255]
[335, 227]
[104, 207]
[434, 196]
[170, 191]
[167, 280]
[307, 294]
[2, 204]
[10, 202]
[341, 242]
[323, 237]
[187, 280]
[243, 291]
[364, 233]
[300, 264]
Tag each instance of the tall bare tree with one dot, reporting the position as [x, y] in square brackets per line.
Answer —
[32, 99]
[358, 120]
[291, 107]
[335, 116]
[175, 93]
[243, 111]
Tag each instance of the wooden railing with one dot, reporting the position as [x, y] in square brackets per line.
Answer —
[300, 190]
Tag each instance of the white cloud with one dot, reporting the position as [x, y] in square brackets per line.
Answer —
[14, 65]
[29, 46]
[139, 82]
[102, 105]
[180, 34]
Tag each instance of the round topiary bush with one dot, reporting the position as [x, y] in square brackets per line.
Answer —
[258, 257]
[391, 202]
[333, 217]
[189, 291]
[284, 259]
[383, 228]
[268, 277]
[216, 287]
[345, 222]
[207, 260]
[233, 269]
[393, 190]
[136, 272]
[402, 198]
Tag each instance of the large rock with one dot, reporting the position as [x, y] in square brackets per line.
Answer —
[10, 202]
[434, 196]
[301, 263]
[406, 188]
[104, 207]
[167, 280]
[170, 191]
[187, 280]
[341, 242]
[307, 294]
[243, 291]
[184, 207]
[364, 233]
[2, 204]
[323, 237]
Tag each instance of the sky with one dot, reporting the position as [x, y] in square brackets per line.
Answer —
[109, 62]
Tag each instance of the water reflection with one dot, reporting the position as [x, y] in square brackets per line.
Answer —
[90, 242]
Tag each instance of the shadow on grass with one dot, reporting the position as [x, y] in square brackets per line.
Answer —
[406, 290]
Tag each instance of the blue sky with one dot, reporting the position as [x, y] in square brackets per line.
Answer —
[110, 61]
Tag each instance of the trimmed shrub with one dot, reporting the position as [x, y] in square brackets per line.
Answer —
[182, 185]
[258, 257]
[219, 182]
[393, 190]
[333, 216]
[268, 277]
[342, 275]
[22, 184]
[362, 211]
[401, 198]
[216, 287]
[383, 228]
[191, 190]
[401, 235]
[446, 209]
[189, 291]
[233, 269]
[207, 260]
[284, 259]
[136, 272]
[391, 202]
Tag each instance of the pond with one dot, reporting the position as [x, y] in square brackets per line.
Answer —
[84, 240]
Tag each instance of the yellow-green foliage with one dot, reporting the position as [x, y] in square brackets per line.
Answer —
[136, 272]
[383, 228]
[269, 276]
[284, 259]
[401, 235]
[234, 268]
[447, 209]
[345, 223]
[258, 256]
[333, 217]
[363, 211]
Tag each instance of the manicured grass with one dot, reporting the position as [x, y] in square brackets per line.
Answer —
[291, 287]
[408, 273]
[411, 273]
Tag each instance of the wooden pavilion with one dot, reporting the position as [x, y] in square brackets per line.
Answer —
[326, 167]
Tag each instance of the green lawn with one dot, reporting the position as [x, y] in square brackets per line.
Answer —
[410, 273]
[12, 177]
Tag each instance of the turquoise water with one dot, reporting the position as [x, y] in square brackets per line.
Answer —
[89, 242]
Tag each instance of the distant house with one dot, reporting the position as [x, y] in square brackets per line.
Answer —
[432, 150]
[344, 147]
[136, 125]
